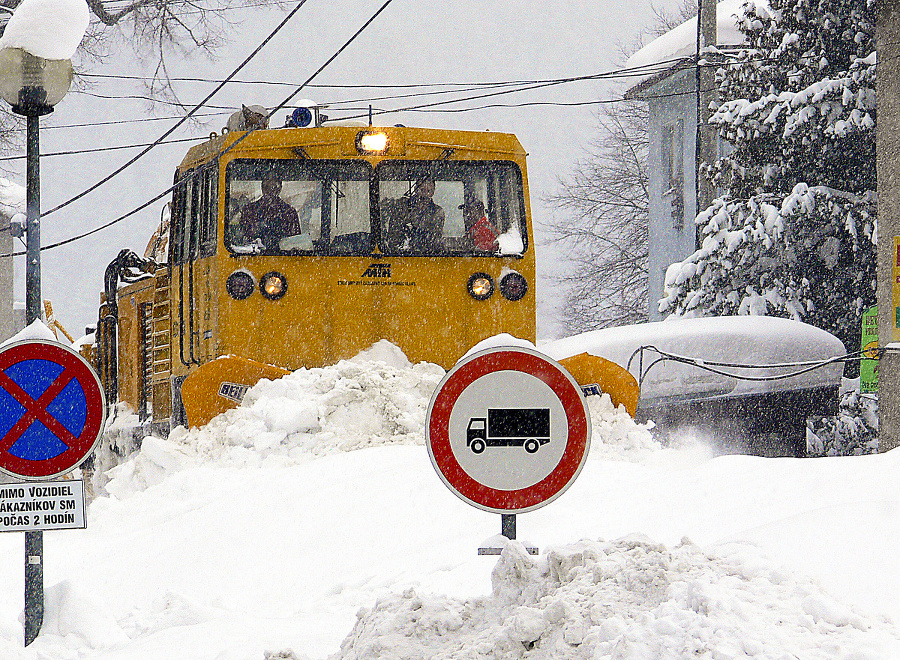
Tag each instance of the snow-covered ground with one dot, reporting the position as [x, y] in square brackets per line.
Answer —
[310, 524]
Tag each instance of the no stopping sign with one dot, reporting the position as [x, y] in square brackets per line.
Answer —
[52, 409]
[508, 430]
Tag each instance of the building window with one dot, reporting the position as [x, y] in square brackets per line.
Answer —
[673, 170]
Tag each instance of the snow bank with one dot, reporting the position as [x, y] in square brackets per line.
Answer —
[377, 398]
[630, 598]
[70, 610]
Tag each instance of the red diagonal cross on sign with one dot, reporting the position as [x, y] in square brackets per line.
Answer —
[87, 412]
[36, 410]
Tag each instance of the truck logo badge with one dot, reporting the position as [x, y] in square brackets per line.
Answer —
[233, 391]
[509, 427]
[378, 270]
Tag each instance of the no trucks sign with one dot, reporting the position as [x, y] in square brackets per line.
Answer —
[508, 430]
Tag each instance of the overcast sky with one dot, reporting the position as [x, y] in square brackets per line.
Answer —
[465, 41]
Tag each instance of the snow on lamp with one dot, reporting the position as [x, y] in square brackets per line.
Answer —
[35, 53]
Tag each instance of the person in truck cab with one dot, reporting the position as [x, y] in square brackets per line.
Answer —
[269, 218]
[481, 234]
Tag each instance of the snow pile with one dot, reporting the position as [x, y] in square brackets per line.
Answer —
[630, 598]
[377, 398]
[71, 611]
[615, 435]
[350, 405]
[36, 331]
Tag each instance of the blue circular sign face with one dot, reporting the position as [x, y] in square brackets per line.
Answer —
[52, 409]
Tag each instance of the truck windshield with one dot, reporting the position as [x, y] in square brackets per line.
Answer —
[451, 207]
[282, 206]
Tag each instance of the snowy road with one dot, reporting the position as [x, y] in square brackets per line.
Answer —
[270, 532]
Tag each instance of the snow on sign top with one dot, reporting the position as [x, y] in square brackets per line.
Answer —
[51, 29]
[682, 41]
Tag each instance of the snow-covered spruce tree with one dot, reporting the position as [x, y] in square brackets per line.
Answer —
[794, 233]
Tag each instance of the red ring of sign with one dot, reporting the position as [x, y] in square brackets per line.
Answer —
[483, 496]
[95, 417]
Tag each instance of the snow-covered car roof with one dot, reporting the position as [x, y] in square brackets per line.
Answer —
[745, 340]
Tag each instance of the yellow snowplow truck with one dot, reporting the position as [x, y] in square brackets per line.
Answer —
[301, 246]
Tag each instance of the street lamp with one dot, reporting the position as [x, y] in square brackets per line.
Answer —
[32, 85]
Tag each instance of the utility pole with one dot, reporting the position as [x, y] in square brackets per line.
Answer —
[887, 159]
[707, 94]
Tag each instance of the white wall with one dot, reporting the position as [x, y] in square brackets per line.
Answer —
[671, 99]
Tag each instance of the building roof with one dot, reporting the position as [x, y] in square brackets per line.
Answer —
[677, 48]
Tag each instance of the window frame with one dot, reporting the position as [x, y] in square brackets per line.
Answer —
[498, 206]
[284, 168]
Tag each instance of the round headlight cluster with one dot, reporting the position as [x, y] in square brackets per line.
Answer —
[480, 286]
[240, 285]
[273, 285]
[513, 286]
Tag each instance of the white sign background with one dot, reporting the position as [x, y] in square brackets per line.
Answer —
[39, 506]
[507, 467]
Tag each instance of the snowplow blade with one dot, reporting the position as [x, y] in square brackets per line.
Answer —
[220, 385]
[589, 370]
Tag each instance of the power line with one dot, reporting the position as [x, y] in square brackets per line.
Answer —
[233, 145]
[429, 107]
[141, 97]
[93, 150]
[75, 152]
[186, 117]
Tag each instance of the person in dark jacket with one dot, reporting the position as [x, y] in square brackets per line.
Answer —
[269, 218]
[417, 225]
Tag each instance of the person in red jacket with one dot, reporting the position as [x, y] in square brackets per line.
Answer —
[479, 230]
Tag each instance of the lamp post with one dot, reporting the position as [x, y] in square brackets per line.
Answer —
[32, 86]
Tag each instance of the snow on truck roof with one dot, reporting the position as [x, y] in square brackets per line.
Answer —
[746, 340]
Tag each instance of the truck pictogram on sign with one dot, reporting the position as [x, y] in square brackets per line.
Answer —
[509, 427]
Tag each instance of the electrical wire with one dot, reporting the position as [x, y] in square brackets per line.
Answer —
[233, 145]
[716, 367]
[429, 107]
[364, 113]
[94, 150]
[193, 110]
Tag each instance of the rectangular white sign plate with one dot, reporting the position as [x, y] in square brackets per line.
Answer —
[41, 506]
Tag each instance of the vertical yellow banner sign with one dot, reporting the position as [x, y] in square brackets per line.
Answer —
[896, 290]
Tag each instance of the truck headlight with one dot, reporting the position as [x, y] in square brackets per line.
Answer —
[372, 142]
[240, 285]
[513, 286]
[480, 286]
[273, 285]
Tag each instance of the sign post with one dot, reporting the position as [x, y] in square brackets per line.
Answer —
[508, 431]
[52, 413]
